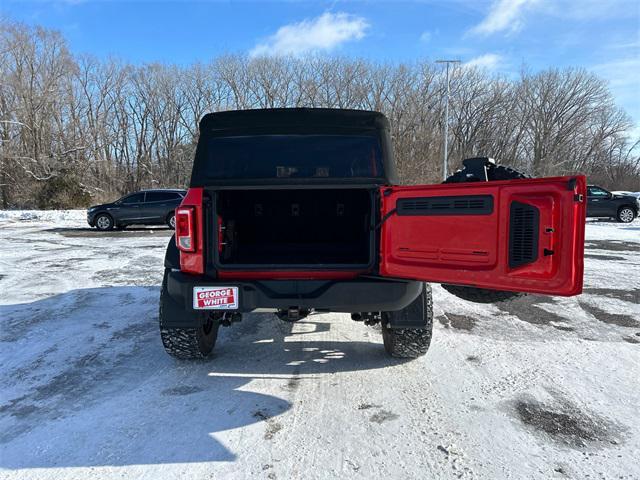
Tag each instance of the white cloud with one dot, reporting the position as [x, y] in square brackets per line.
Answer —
[589, 9]
[504, 15]
[508, 15]
[325, 32]
[625, 45]
[426, 36]
[490, 61]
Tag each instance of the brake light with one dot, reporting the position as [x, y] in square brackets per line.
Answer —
[185, 229]
[189, 239]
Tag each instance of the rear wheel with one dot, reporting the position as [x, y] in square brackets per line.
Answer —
[187, 343]
[104, 222]
[625, 215]
[409, 342]
[190, 343]
[171, 221]
[483, 295]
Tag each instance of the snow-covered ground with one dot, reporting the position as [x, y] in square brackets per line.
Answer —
[540, 387]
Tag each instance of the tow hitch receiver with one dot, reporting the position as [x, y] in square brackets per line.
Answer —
[230, 317]
[369, 318]
[292, 314]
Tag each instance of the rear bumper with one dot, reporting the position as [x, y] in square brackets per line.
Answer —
[358, 295]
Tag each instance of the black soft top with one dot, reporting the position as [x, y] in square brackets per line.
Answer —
[298, 121]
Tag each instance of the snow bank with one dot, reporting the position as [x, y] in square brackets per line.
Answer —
[598, 229]
[67, 217]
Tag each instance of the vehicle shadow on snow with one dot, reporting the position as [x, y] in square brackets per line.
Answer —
[73, 232]
[86, 381]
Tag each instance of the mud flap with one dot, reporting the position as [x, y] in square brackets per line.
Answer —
[416, 315]
[173, 314]
[172, 255]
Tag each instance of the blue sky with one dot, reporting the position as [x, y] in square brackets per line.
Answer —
[501, 35]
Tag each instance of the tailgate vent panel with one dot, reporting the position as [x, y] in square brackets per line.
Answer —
[524, 225]
[459, 205]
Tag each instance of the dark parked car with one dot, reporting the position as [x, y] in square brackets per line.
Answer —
[602, 203]
[148, 207]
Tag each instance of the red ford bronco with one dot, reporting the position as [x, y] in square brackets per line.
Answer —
[298, 210]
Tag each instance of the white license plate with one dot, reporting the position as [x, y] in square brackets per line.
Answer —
[215, 298]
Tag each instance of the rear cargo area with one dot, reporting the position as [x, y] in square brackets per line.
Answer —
[284, 227]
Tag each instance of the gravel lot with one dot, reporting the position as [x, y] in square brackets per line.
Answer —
[540, 387]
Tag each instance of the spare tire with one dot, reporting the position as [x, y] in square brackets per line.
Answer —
[483, 295]
[494, 173]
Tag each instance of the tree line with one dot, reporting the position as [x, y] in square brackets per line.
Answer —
[75, 129]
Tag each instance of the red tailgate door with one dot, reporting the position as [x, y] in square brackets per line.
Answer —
[517, 235]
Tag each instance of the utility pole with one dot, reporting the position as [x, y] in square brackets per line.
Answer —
[445, 167]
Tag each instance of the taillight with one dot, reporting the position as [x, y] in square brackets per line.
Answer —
[189, 232]
[186, 229]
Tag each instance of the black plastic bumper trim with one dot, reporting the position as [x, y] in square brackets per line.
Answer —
[359, 295]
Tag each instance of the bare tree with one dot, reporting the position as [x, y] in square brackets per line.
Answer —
[74, 128]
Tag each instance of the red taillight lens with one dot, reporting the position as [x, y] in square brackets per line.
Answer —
[185, 229]
[189, 232]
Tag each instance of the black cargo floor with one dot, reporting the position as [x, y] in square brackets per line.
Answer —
[267, 254]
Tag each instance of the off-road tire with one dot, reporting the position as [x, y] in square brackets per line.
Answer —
[104, 222]
[482, 295]
[410, 342]
[171, 221]
[188, 343]
[625, 215]
[494, 173]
